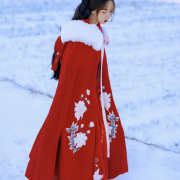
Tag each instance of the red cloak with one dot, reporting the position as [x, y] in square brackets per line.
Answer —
[72, 143]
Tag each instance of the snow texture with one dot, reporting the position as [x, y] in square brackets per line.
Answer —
[143, 61]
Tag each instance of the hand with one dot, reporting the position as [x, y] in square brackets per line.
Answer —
[106, 40]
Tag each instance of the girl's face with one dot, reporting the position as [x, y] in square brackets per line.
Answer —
[105, 13]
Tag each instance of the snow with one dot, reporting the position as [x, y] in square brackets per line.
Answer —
[30, 109]
[143, 60]
[22, 115]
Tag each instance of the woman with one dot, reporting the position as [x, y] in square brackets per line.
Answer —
[82, 137]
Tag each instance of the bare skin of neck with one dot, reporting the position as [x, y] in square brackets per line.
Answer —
[92, 19]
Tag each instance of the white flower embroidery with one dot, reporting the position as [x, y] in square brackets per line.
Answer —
[96, 175]
[106, 99]
[88, 131]
[80, 139]
[77, 140]
[79, 109]
[91, 124]
[88, 92]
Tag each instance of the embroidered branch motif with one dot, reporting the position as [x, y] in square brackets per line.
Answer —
[77, 140]
[106, 99]
[111, 117]
[74, 128]
[113, 126]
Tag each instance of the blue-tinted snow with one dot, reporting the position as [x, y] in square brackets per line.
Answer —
[143, 61]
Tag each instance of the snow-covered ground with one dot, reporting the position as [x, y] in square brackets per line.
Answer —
[23, 114]
[144, 69]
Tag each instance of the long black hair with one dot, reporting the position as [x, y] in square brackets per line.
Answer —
[83, 11]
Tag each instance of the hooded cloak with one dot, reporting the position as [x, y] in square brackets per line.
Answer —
[72, 142]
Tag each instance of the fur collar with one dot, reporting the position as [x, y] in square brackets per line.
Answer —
[81, 31]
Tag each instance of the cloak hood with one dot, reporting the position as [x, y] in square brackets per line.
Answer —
[82, 31]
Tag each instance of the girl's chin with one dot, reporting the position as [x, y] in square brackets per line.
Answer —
[103, 22]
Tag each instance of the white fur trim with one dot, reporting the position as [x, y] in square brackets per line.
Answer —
[79, 31]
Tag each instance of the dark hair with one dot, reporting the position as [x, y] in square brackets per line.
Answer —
[83, 11]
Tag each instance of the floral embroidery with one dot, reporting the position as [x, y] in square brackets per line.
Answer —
[91, 124]
[96, 175]
[97, 165]
[113, 126]
[106, 99]
[77, 140]
[79, 109]
[109, 128]
[111, 117]
[88, 92]
[74, 128]
[80, 139]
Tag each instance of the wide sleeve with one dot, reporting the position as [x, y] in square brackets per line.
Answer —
[118, 154]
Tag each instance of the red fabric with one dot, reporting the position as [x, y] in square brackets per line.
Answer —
[53, 156]
[59, 48]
